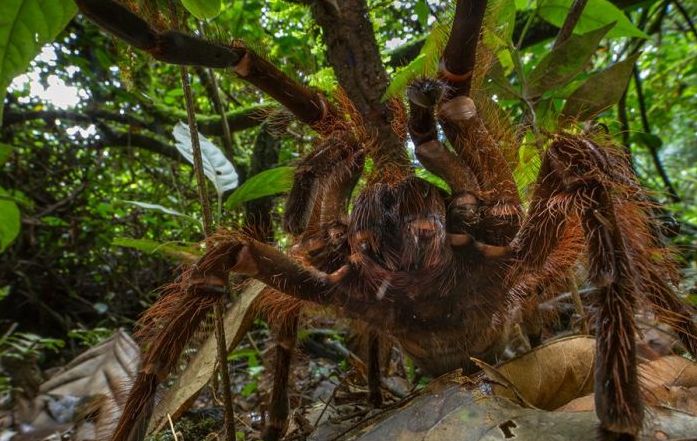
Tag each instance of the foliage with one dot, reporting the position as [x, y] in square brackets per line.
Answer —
[21, 348]
[25, 26]
[267, 183]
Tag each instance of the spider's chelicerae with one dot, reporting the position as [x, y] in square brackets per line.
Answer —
[436, 271]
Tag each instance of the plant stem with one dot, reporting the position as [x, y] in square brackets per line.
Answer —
[230, 431]
[572, 18]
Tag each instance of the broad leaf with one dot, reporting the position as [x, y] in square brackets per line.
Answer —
[160, 208]
[180, 253]
[422, 12]
[10, 220]
[25, 26]
[551, 375]
[599, 91]
[203, 9]
[564, 62]
[215, 165]
[267, 183]
[98, 370]
[596, 14]
[432, 178]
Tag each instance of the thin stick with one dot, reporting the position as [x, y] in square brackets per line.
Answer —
[230, 431]
[578, 304]
[207, 228]
[572, 18]
[171, 427]
[686, 17]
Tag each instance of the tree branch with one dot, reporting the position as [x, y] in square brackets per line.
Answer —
[353, 53]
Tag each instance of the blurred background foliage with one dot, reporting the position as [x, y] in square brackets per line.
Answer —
[86, 130]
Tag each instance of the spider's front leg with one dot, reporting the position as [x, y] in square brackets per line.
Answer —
[587, 189]
[176, 47]
[485, 198]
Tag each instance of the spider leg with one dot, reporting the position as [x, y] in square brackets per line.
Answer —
[166, 327]
[279, 406]
[587, 189]
[323, 183]
[178, 48]
[466, 131]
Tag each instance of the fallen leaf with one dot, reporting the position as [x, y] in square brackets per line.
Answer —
[550, 375]
[101, 370]
[451, 409]
[94, 380]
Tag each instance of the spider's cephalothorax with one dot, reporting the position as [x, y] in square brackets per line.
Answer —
[437, 271]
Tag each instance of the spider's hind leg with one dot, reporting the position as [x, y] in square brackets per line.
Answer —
[587, 189]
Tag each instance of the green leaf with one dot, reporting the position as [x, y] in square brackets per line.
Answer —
[181, 253]
[203, 9]
[267, 183]
[596, 14]
[10, 220]
[650, 140]
[422, 12]
[599, 91]
[563, 63]
[432, 178]
[25, 26]
[160, 208]
[5, 151]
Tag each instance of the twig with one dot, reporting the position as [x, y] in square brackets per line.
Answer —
[578, 304]
[329, 400]
[572, 18]
[171, 427]
[230, 431]
[686, 17]
[624, 122]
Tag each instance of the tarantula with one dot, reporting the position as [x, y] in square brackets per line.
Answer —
[436, 271]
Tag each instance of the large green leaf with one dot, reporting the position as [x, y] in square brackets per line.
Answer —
[267, 183]
[599, 91]
[564, 62]
[203, 9]
[25, 26]
[9, 220]
[597, 13]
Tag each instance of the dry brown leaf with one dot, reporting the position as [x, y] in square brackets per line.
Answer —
[552, 374]
[449, 411]
[672, 370]
[199, 371]
[101, 370]
[94, 380]
[666, 382]
[581, 404]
